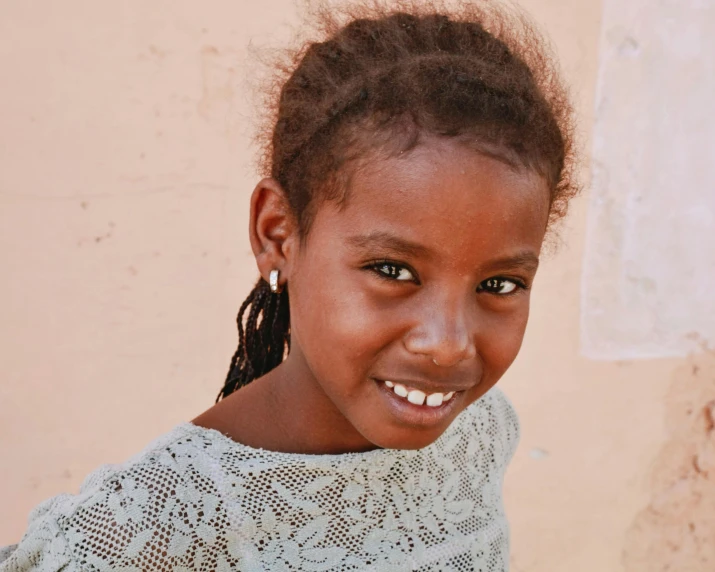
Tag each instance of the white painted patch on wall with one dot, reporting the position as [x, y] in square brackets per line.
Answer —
[648, 285]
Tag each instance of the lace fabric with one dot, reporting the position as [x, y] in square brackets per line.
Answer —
[196, 500]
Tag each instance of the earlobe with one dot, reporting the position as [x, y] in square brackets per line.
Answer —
[272, 227]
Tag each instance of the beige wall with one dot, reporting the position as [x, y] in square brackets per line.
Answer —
[125, 169]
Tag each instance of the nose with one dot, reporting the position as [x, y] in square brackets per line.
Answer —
[444, 333]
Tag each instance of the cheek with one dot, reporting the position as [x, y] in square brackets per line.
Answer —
[338, 326]
[499, 341]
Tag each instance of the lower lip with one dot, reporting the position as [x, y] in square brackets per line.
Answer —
[411, 414]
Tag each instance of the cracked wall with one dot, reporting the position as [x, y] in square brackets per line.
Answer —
[676, 532]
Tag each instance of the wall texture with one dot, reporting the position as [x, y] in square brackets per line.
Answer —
[125, 170]
[649, 261]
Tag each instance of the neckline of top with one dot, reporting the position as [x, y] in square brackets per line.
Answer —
[328, 458]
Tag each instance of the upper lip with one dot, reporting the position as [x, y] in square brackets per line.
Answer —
[429, 386]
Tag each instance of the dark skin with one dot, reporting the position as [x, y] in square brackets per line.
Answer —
[422, 277]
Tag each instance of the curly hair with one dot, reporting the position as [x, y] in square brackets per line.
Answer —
[376, 80]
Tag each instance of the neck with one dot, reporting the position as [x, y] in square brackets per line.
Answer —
[286, 410]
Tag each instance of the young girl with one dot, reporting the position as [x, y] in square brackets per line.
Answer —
[415, 161]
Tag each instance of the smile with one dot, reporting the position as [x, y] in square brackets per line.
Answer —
[417, 397]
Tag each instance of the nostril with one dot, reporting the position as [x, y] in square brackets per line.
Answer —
[445, 340]
[446, 356]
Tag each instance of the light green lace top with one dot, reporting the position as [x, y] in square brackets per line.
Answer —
[196, 500]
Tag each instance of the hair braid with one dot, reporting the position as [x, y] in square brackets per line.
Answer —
[264, 339]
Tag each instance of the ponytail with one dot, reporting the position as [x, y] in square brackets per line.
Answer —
[263, 341]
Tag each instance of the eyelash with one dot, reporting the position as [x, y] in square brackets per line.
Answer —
[377, 266]
[519, 285]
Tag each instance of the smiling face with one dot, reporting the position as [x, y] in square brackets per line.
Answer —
[414, 290]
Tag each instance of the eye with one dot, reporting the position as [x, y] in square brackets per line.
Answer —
[500, 286]
[393, 271]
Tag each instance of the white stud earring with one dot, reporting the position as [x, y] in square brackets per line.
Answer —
[273, 281]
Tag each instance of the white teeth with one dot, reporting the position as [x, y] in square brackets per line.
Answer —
[416, 396]
[400, 390]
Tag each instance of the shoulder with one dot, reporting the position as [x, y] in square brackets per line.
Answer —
[494, 423]
[177, 456]
[162, 507]
[158, 504]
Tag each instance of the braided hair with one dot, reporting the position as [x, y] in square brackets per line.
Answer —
[379, 78]
[263, 341]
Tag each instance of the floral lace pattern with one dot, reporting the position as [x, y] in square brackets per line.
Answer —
[195, 500]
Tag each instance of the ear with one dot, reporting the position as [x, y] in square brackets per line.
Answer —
[273, 230]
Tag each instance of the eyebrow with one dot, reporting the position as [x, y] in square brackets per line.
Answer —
[526, 260]
[391, 242]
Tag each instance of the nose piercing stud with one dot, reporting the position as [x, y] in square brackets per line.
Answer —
[273, 281]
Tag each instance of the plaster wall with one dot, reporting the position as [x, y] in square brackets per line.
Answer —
[125, 170]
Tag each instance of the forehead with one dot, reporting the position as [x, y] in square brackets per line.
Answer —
[450, 198]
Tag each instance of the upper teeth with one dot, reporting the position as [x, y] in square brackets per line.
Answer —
[419, 397]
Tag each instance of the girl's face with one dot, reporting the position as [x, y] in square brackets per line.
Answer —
[418, 284]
